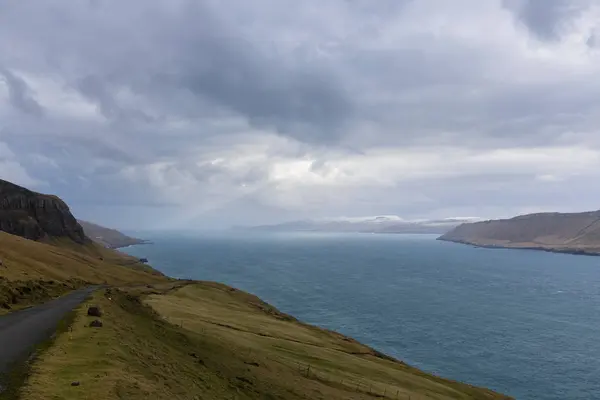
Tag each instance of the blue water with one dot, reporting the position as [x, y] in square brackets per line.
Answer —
[522, 322]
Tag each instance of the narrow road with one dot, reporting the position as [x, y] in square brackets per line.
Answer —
[20, 331]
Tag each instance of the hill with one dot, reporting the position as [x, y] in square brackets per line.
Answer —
[577, 233]
[45, 253]
[203, 340]
[37, 216]
[110, 238]
[33, 272]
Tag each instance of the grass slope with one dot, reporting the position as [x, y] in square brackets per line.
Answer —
[209, 341]
[577, 233]
[32, 272]
[107, 237]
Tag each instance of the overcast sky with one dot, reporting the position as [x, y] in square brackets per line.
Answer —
[180, 113]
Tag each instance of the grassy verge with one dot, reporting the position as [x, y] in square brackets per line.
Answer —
[209, 341]
[16, 295]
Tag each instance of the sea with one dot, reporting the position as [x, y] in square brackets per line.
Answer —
[523, 322]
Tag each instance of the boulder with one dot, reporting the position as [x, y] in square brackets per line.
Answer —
[94, 311]
[96, 324]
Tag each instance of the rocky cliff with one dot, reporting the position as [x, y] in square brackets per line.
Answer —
[37, 216]
[561, 232]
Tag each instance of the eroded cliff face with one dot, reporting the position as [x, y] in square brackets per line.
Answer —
[36, 216]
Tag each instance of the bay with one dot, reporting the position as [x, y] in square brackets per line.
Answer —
[525, 323]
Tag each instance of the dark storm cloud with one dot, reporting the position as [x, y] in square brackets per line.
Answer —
[546, 18]
[166, 52]
[278, 105]
[222, 66]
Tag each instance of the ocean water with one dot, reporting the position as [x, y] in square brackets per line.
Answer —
[522, 322]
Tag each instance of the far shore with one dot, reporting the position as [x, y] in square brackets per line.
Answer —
[139, 243]
[517, 246]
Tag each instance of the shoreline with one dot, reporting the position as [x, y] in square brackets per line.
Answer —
[142, 242]
[574, 252]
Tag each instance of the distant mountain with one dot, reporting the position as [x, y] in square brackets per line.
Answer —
[37, 216]
[107, 237]
[376, 224]
[577, 233]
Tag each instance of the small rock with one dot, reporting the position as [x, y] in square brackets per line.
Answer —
[244, 379]
[75, 383]
[94, 311]
[96, 324]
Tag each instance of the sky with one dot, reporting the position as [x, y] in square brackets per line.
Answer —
[167, 114]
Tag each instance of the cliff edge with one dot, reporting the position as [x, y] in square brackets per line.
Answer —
[37, 216]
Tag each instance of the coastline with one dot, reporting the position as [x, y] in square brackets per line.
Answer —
[229, 338]
[246, 324]
[571, 251]
[124, 246]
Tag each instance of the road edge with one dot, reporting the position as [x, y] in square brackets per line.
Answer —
[12, 381]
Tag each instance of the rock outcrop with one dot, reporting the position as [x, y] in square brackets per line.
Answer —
[37, 216]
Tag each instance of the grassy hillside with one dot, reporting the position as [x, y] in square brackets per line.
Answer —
[110, 238]
[564, 232]
[209, 341]
[32, 272]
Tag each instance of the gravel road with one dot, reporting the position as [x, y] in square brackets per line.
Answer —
[20, 331]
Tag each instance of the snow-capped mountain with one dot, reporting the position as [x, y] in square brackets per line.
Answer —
[374, 224]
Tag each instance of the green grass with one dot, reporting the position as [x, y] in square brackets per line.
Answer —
[209, 341]
[25, 259]
[34, 272]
